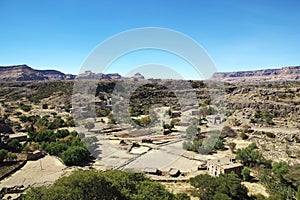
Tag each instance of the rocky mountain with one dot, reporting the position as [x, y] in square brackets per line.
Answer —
[138, 76]
[26, 73]
[92, 75]
[265, 75]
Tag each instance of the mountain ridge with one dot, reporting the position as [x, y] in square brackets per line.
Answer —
[288, 73]
[25, 73]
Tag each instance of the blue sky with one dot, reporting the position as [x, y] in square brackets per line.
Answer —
[237, 35]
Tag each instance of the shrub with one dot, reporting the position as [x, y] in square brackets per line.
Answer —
[246, 174]
[74, 155]
[270, 135]
[45, 106]
[244, 136]
[3, 154]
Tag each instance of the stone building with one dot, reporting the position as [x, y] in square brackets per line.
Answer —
[224, 166]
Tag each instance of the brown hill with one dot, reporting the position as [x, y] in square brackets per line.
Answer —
[26, 73]
[265, 75]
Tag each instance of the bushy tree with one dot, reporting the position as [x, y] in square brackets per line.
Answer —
[45, 106]
[280, 169]
[250, 156]
[3, 154]
[144, 121]
[191, 132]
[11, 156]
[74, 155]
[79, 185]
[58, 122]
[219, 144]
[14, 145]
[246, 174]
[192, 146]
[45, 136]
[56, 148]
[62, 133]
[227, 186]
[232, 146]
[150, 190]
[114, 184]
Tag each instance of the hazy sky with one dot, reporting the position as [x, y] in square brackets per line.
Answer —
[238, 35]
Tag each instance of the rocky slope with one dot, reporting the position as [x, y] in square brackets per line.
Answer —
[26, 73]
[269, 75]
[92, 75]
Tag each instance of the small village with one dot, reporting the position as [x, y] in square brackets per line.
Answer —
[166, 143]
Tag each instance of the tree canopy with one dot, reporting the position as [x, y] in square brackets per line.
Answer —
[118, 185]
[225, 186]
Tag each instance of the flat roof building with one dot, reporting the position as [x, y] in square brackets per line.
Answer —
[224, 166]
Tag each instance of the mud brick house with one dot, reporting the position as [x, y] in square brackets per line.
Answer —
[224, 166]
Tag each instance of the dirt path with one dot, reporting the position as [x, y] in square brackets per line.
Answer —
[256, 188]
[39, 172]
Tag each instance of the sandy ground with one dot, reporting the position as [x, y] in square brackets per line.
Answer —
[179, 187]
[39, 172]
[256, 188]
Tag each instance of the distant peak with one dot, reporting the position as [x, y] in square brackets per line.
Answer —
[289, 73]
[138, 75]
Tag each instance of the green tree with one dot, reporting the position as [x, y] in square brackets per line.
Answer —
[56, 148]
[11, 156]
[280, 169]
[3, 154]
[45, 106]
[219, 144]
[191, 131]
[244, 136]
[79, 185]
[205, 186]
[246, 174]
[232, 146]
[293, 176]
[45, 136]
[298, 193]
[113, 184]
[221, 196]
[250, 156]
[144, 121]
[225, 185]
[58, 122]
[24, 107]
[74, 155]
[149, 190]
[62, 133]
[67, 107]
[70, 122]
[15, 145]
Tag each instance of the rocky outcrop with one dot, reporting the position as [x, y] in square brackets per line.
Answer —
[26, 73]
[138, 76]
[92, 75]
[266, 75]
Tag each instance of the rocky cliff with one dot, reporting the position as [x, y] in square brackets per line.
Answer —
[92, 75]
[266, 75]
[26, 73]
